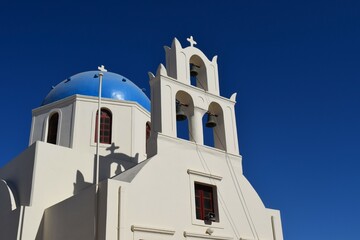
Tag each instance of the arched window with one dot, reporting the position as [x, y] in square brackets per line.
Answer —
[105, 126]
[53, 128]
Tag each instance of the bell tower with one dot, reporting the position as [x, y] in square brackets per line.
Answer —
[188, 88]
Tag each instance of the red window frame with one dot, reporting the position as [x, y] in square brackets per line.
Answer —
[204, 200]
[105, 126]
[53, 128]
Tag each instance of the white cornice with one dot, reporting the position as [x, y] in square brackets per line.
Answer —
[202, 174]
[137, 228]
[84, 98]
[205, 236]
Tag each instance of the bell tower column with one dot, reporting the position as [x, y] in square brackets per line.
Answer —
[163, 113]
[196, 126]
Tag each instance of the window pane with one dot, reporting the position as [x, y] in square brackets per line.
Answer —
[207, 194]
[207, 204]
[197, 202]
[53, 128]
[105, 126]
[203, 200]
[198, 214]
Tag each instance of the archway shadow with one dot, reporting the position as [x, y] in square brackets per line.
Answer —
[115, 163]
[109, 165]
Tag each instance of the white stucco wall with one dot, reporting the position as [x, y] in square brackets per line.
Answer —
[76, 129]
[39, 126]
[161, 196]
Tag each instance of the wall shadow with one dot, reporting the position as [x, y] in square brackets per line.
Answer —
[114, 163]
[40, 232]
[80, 183]
[9, 219]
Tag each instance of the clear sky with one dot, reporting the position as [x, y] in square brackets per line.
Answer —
[294, 64]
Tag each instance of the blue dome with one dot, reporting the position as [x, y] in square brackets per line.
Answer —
[114, 86]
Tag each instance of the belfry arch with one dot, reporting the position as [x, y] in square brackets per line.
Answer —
[184, 112]
[198, 72]
[217, 114]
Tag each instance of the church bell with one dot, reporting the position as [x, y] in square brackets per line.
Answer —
[211, 121]
[194, 70]
[180, 114]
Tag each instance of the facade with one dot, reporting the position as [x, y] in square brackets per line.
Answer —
[153, 185]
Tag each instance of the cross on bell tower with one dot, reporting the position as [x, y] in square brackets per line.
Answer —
[191, 41]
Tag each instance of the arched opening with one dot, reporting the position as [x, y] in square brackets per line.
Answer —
[105, 126]
[208, 132]
[214, 128]
[53, 128]
[182, 129]
[198, 75]
[184, 110]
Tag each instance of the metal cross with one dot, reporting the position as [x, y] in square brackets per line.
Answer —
[102, 68]
[191, 41]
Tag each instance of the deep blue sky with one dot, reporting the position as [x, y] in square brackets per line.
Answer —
[294, 64]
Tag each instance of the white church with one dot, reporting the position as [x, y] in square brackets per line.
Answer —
[125, 174]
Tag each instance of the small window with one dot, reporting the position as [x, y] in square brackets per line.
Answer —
[53, 128]
[206, 202]
[148, 130]
[105, 126]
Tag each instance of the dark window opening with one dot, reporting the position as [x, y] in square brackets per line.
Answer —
[205, 202]
[148, 130]
[53, 128]
[105, 126]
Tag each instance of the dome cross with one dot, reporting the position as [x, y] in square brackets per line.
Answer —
[102, 68]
